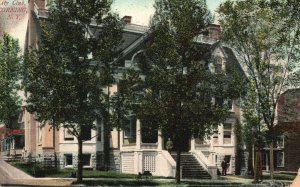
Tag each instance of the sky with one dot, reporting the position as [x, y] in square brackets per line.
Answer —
[141, 10]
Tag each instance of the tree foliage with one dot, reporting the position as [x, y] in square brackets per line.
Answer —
[265, 35]
[66, 75]
[10, 66]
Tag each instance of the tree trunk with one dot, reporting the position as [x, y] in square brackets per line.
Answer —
[258, 167]
[80, 166]
[106, 129]
[178, 166]
[106, 143]
[250, 160]
[54, 148]
[272, 160]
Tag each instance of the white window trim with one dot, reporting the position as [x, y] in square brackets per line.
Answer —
[65, 158]
[90, 162]
[40, 134]
[68, 135]
[130, 129]
[282, 159]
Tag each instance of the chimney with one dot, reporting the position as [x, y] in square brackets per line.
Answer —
[127, 19]
[214, 31]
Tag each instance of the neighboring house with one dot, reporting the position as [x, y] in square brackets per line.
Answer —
[132, 151]
[2, 134]
[287, 149]
[12, 140]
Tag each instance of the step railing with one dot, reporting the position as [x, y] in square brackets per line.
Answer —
[170, 162]
[206, 164]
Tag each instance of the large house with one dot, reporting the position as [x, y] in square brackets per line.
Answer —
[130, 151]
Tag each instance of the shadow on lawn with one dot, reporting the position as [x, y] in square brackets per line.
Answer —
[120, 183]
[154, 183]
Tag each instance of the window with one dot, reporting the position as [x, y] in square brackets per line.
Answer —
[229, 103]
[227, 126]
[86, 159]
[227, 133]
[86, 132]
[130, 128]
[19, 141]
[218, 68]
[68, 160]
[218, 65]
[280, 142]
[227, 137]
[280, 159]
[215, 138]
[67, 135]
[39, 134]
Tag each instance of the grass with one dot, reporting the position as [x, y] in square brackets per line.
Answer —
[66, 173]
[277, 176]
[155, 183]
[34, 169]
[281, 176]
[131, 179]
[22, 167]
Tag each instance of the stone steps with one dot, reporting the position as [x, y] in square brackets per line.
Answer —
[191, 168]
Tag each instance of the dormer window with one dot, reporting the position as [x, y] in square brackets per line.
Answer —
[218, 65]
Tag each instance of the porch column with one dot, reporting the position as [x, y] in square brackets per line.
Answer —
[267, 162]
[193, 144]
[160, 140]
[121, 139]
[221, 135]
[138, 134]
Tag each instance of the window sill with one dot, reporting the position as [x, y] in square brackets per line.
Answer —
[132, 144]
[87, 167]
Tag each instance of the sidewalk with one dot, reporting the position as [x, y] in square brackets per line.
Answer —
[19, 177]
[13, 172]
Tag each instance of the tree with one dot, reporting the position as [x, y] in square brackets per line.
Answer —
[10, 66]
[172, 84]
[252, 132]
[67, 74]
[266, 37]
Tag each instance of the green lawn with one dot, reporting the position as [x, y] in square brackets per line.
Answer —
[156, 183]
[281, 176]
[36, 170]
[277, 176]
[130, 179]
[66, 173]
